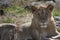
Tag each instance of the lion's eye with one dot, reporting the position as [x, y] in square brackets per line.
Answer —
[46, 15]
[36, 12]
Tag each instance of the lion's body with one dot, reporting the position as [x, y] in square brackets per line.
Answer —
[32, 31]
[25, 31]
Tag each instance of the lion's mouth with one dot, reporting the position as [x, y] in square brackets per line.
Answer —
[43, 25]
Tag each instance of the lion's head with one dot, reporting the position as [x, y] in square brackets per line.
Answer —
[42, 13]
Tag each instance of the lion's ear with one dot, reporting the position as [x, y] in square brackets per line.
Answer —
[33, 8]
[50, 7]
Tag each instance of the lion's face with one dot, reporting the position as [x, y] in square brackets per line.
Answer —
[42, 15]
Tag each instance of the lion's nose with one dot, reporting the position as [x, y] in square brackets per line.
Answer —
[43, 19]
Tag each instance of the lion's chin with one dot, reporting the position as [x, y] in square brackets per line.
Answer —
[43, 26]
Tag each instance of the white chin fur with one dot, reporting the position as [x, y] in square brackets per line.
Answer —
[45, 26]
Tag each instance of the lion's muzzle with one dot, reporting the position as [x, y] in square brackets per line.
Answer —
[43, 25]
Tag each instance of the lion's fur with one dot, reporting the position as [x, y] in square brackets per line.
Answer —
[34, 29]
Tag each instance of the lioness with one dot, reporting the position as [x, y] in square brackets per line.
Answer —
[43, 25]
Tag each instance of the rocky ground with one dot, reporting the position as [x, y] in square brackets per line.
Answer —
[57, 20]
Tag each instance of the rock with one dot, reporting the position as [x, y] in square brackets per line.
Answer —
[57, 20]
[4, 3]
[1, 12]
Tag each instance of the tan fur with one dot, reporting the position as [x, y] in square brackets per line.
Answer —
[38, 16]
[36, 31]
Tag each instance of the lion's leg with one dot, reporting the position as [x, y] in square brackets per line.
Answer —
[38, 36]
[35, 35]
[53, 29]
